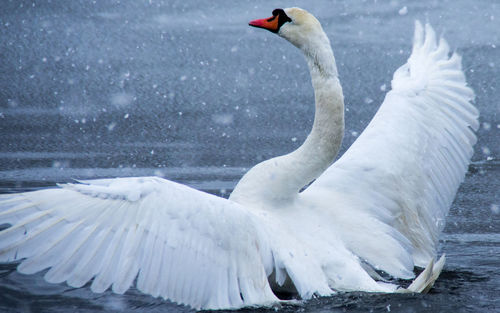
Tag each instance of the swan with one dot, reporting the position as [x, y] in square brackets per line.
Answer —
[378, 209]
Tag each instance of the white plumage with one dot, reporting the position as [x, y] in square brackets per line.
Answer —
[411, 158]
[182, 244]
[381, 206]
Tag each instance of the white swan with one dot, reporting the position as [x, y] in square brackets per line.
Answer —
[381, 206]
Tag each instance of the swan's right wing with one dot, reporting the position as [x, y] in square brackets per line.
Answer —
[405, 168]
[176, 242]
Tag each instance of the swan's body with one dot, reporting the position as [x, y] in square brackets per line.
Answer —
[381, 206]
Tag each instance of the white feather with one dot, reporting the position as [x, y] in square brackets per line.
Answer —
[415, 151]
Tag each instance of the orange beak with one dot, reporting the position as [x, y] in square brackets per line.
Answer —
[270, 23]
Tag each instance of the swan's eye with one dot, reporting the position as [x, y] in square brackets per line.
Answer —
[282, 17]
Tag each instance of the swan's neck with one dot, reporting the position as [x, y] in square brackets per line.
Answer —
[281, 178]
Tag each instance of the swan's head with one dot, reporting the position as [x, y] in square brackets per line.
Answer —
[296, 25]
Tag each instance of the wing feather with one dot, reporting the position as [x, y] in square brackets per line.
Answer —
[181, 244]
[61, 272]
[87, 267]
[415, 152]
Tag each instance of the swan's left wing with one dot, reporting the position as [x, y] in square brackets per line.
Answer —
[405, 168]
[176, 242]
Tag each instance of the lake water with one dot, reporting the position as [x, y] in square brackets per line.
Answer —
[189, 92]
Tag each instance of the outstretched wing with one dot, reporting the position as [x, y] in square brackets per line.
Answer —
[411, 158]
[181, 244]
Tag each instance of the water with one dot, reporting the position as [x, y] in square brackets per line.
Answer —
[189, 92]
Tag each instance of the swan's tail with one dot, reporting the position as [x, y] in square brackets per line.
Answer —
[424, 282]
